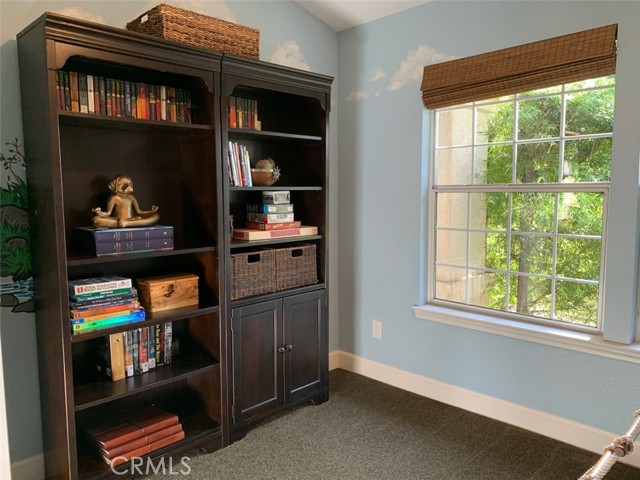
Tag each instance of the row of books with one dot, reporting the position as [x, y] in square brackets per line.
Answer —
[102, 302]
[117, 241]
[136, 351]
[239, 165]
[243, 113]
[117, 441]
[79, 92]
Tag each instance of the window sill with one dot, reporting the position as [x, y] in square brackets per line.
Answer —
[555, 337]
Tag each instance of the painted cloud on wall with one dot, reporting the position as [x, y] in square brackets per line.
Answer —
[409, 71]
[412, 66]
[290, 55]
[81, 13]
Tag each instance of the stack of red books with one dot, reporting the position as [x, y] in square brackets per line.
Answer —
[118, 443]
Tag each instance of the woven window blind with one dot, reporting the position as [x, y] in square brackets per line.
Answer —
[558, 60]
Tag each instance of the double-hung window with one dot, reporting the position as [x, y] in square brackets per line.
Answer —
[520, 165]
[518, 196]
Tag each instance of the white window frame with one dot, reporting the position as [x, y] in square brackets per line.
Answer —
[552, 333]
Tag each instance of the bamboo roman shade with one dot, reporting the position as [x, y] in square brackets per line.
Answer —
[558, 60]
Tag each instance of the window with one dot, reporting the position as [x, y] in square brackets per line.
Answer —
[518, 195]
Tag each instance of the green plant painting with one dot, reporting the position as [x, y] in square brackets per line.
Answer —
[16, 289]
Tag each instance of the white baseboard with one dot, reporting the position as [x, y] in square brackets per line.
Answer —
[28, 469]
[557, 428]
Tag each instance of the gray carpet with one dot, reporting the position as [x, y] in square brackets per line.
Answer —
[369, 431]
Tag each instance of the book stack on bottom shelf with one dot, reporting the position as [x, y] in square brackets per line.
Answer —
[102, 302]
[118, 441]
[273, 218]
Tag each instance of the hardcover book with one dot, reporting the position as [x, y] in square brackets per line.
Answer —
[111, 353]
[251, 234]
[273, 226]
[266, 208]
[98, 284]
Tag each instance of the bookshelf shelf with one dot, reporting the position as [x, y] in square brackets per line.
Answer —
[102, 121]
[79, 259]
[94, 393]
[245, 134]
[153, 319]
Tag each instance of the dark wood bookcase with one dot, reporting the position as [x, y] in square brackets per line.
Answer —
[182, 168]
[279, 352]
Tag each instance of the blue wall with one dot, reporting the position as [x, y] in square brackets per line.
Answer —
[382, 195]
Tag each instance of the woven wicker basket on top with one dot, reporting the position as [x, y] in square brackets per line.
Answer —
[173, 23]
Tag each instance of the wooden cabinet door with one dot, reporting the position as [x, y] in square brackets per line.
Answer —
[305, 345]
[257, 363]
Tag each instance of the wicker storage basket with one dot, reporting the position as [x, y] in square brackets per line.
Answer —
[296, 266]
[172, 23]
[253, 273]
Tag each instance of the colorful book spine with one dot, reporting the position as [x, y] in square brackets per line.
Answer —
[143, 349]
[79, 297]
[88, 311]
[108, 322]
[152, 346]
[104, 301]
[266, 208]
[134, 246]
[168, 340]
[92, 285]
[128, 353]
[270, 217]
[273, 226]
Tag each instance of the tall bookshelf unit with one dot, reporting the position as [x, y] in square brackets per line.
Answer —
[71, 158]
[240, 359]
[278, 351]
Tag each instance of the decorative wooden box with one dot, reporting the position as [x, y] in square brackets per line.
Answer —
[167, 292]
[180, 25]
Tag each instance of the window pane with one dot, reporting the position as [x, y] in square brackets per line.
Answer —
[494, 164]
[452, 210]
[489, 211]
[539, 118]
[531, 254]
[454, 166]
[580, 213]
[590, 112]
[495, 291]
[451, 247]
[530, 295]
[541, 91]
[533, 212]
[587, 160]
[578, 258]
[593, 82]
[488, 250]
[577, 303]
[451, 284]
[538, 162]
[494, 123]
[455, 127]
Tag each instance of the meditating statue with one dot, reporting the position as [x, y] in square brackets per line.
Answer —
[122, 208]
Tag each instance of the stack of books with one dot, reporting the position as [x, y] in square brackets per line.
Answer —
[137, 351]
[116, 241]
[102, 302]
[273, 218]
[118, 442]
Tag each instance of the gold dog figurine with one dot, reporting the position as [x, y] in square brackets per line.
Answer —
[122, 208]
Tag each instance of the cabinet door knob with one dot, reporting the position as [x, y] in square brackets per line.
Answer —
[280, 349]
[288, 348]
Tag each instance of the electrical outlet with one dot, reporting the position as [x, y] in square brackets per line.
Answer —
[376, 329]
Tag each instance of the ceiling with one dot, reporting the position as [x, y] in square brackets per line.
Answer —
[343, 14]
